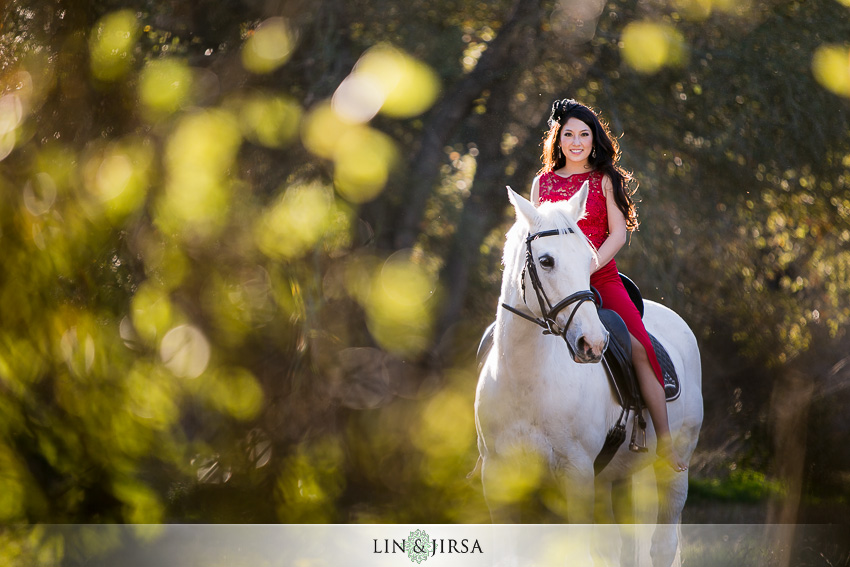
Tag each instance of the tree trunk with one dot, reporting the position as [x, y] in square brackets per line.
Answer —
[453, 109]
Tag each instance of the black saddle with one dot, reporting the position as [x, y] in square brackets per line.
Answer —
[619, 358]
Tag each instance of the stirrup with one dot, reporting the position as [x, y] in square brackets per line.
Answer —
[639, 424]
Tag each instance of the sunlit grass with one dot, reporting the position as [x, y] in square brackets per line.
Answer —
[739, 486]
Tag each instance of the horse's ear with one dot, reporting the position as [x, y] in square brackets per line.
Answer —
[524, 209]
[577, 205]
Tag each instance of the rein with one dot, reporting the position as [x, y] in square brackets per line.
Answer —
[549, 311]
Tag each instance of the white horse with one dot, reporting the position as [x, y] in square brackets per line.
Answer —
[544, 402]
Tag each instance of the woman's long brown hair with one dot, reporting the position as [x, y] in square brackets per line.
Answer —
[607, 153]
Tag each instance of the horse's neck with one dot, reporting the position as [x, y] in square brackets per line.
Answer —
[520, 341]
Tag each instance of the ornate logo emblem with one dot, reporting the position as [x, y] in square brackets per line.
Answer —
[419, 545]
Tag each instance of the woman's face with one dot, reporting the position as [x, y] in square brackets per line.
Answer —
[576, 140]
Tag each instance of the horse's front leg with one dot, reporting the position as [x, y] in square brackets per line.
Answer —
[577, 483]
[498, 478]
[497, 473]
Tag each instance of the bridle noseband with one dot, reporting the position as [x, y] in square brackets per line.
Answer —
[549, 311]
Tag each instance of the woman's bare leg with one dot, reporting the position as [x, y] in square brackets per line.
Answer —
[656, 403]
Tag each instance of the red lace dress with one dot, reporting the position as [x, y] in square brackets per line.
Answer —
[606, 279]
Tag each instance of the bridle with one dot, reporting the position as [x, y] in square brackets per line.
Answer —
[549, 311]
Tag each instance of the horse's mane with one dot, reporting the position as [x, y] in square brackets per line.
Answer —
[550, 216]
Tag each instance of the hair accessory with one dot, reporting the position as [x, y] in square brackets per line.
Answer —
[560, 108]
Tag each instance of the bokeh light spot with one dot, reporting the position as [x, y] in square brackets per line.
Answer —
[111, 44]
[694, 10]
[268, 47]
[296, 222]
[164, 86]
[236, 392]
[399, 316]
[446, 434]
[141, 505]
[358, 98]
[516, 476]
[11, 112]
[199, 156]
[113, 175]
[39, 194]
[152, 397]
[649, 46]
[310, 481]
[117, 176]
[152, 312]
[831, 68]
[12, 491]
[572, 21]
[323, 129]
[11, 116]
[408, 86]
[363, 160]
[7, 144]
[270, 120]
[185, 351]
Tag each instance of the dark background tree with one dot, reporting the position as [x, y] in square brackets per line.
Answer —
[248, 248]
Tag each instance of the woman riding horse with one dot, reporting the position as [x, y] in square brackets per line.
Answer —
[578, 148]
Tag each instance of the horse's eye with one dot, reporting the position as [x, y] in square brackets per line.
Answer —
[547, 262]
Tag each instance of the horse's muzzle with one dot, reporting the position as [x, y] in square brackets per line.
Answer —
[586, 353]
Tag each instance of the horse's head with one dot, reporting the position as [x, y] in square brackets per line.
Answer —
[554, 261]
